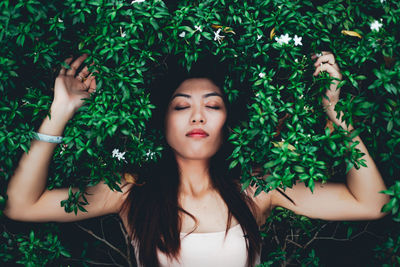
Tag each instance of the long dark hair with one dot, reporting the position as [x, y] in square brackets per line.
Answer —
[153, 208]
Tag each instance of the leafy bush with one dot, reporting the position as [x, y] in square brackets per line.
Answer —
[128, 42]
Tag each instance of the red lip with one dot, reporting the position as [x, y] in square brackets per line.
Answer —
[197, 132]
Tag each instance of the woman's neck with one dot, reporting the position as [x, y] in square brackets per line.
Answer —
[195, 178]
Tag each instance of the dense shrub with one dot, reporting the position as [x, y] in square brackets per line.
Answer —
[285, 130]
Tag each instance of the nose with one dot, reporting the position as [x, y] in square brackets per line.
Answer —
[197, 116]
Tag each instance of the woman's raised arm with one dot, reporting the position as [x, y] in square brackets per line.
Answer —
[358, 198]
[28, 199]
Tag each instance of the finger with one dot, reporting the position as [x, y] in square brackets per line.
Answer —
[329, 69]
[336, 66]
[92, 86]
[75, 65]
[329, 58]
[89, 80]
[84, 72]
[62, 70]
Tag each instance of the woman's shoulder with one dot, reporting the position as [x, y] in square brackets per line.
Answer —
[262, 200]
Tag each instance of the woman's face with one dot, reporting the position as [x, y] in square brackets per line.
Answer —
[197, 104]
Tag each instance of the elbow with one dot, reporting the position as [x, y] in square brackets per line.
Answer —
[376, 213]
[15, 212]
[10, 213]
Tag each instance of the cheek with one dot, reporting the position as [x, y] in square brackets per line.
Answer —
[220, 121]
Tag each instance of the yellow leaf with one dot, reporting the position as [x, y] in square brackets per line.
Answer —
[216, 26]
[227, 30]
[280, 145]
[352, 33]
[131, 179]
[272, 33]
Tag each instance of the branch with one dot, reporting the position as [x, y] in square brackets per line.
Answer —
[90, 232]
[127, 240]
[93, 262]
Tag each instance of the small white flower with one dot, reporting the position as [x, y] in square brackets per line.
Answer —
[383, 1]
[297, 40]
[278, 40]
[218, 37]
[120, 156]
[259, 37]
[60, 20]
[149, 154]
[182, 34]
[198, 28]
[296, 60]
[283, 39]
[137, 1]
[123, 34]
[115, 152]
[301, 96]
[261, 75]
[376, 25]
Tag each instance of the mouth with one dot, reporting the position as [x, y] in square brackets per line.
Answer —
[199, 133]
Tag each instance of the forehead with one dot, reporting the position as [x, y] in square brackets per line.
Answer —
[194, 86]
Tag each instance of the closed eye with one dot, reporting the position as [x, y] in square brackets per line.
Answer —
[180, 108]
[213, 107]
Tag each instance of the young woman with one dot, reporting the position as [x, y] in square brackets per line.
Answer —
[190, 210]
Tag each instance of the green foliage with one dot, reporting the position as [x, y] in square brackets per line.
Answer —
[36, 249]
[389, 249]
[285, 132]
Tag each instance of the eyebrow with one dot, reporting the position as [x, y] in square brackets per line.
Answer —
[204, 96]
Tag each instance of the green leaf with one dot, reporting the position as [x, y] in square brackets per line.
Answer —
[269, 164]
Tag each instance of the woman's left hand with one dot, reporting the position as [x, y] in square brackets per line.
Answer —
[326, 62]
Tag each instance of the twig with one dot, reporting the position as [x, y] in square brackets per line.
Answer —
[104, 241]
[112, 258]
[92, 262]
[294, 243]
[315, 235]
[127, 240]
[275, 235]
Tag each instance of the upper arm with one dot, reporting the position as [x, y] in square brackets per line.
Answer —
[102, 200]
[329, 201]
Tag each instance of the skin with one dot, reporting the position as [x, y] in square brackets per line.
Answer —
[29, 200]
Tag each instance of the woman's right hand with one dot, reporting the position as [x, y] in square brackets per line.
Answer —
[70, 89]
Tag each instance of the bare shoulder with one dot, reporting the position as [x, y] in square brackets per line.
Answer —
[262, 200]
[127, 182]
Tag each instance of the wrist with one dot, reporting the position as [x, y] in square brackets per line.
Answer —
[55, 123]
[61, 111]
[332, 114]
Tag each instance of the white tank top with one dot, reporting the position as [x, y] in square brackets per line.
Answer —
[209, 249]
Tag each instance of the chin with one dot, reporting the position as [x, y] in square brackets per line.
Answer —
[195, 155]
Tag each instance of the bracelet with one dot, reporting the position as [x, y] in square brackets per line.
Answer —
[48, 138]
